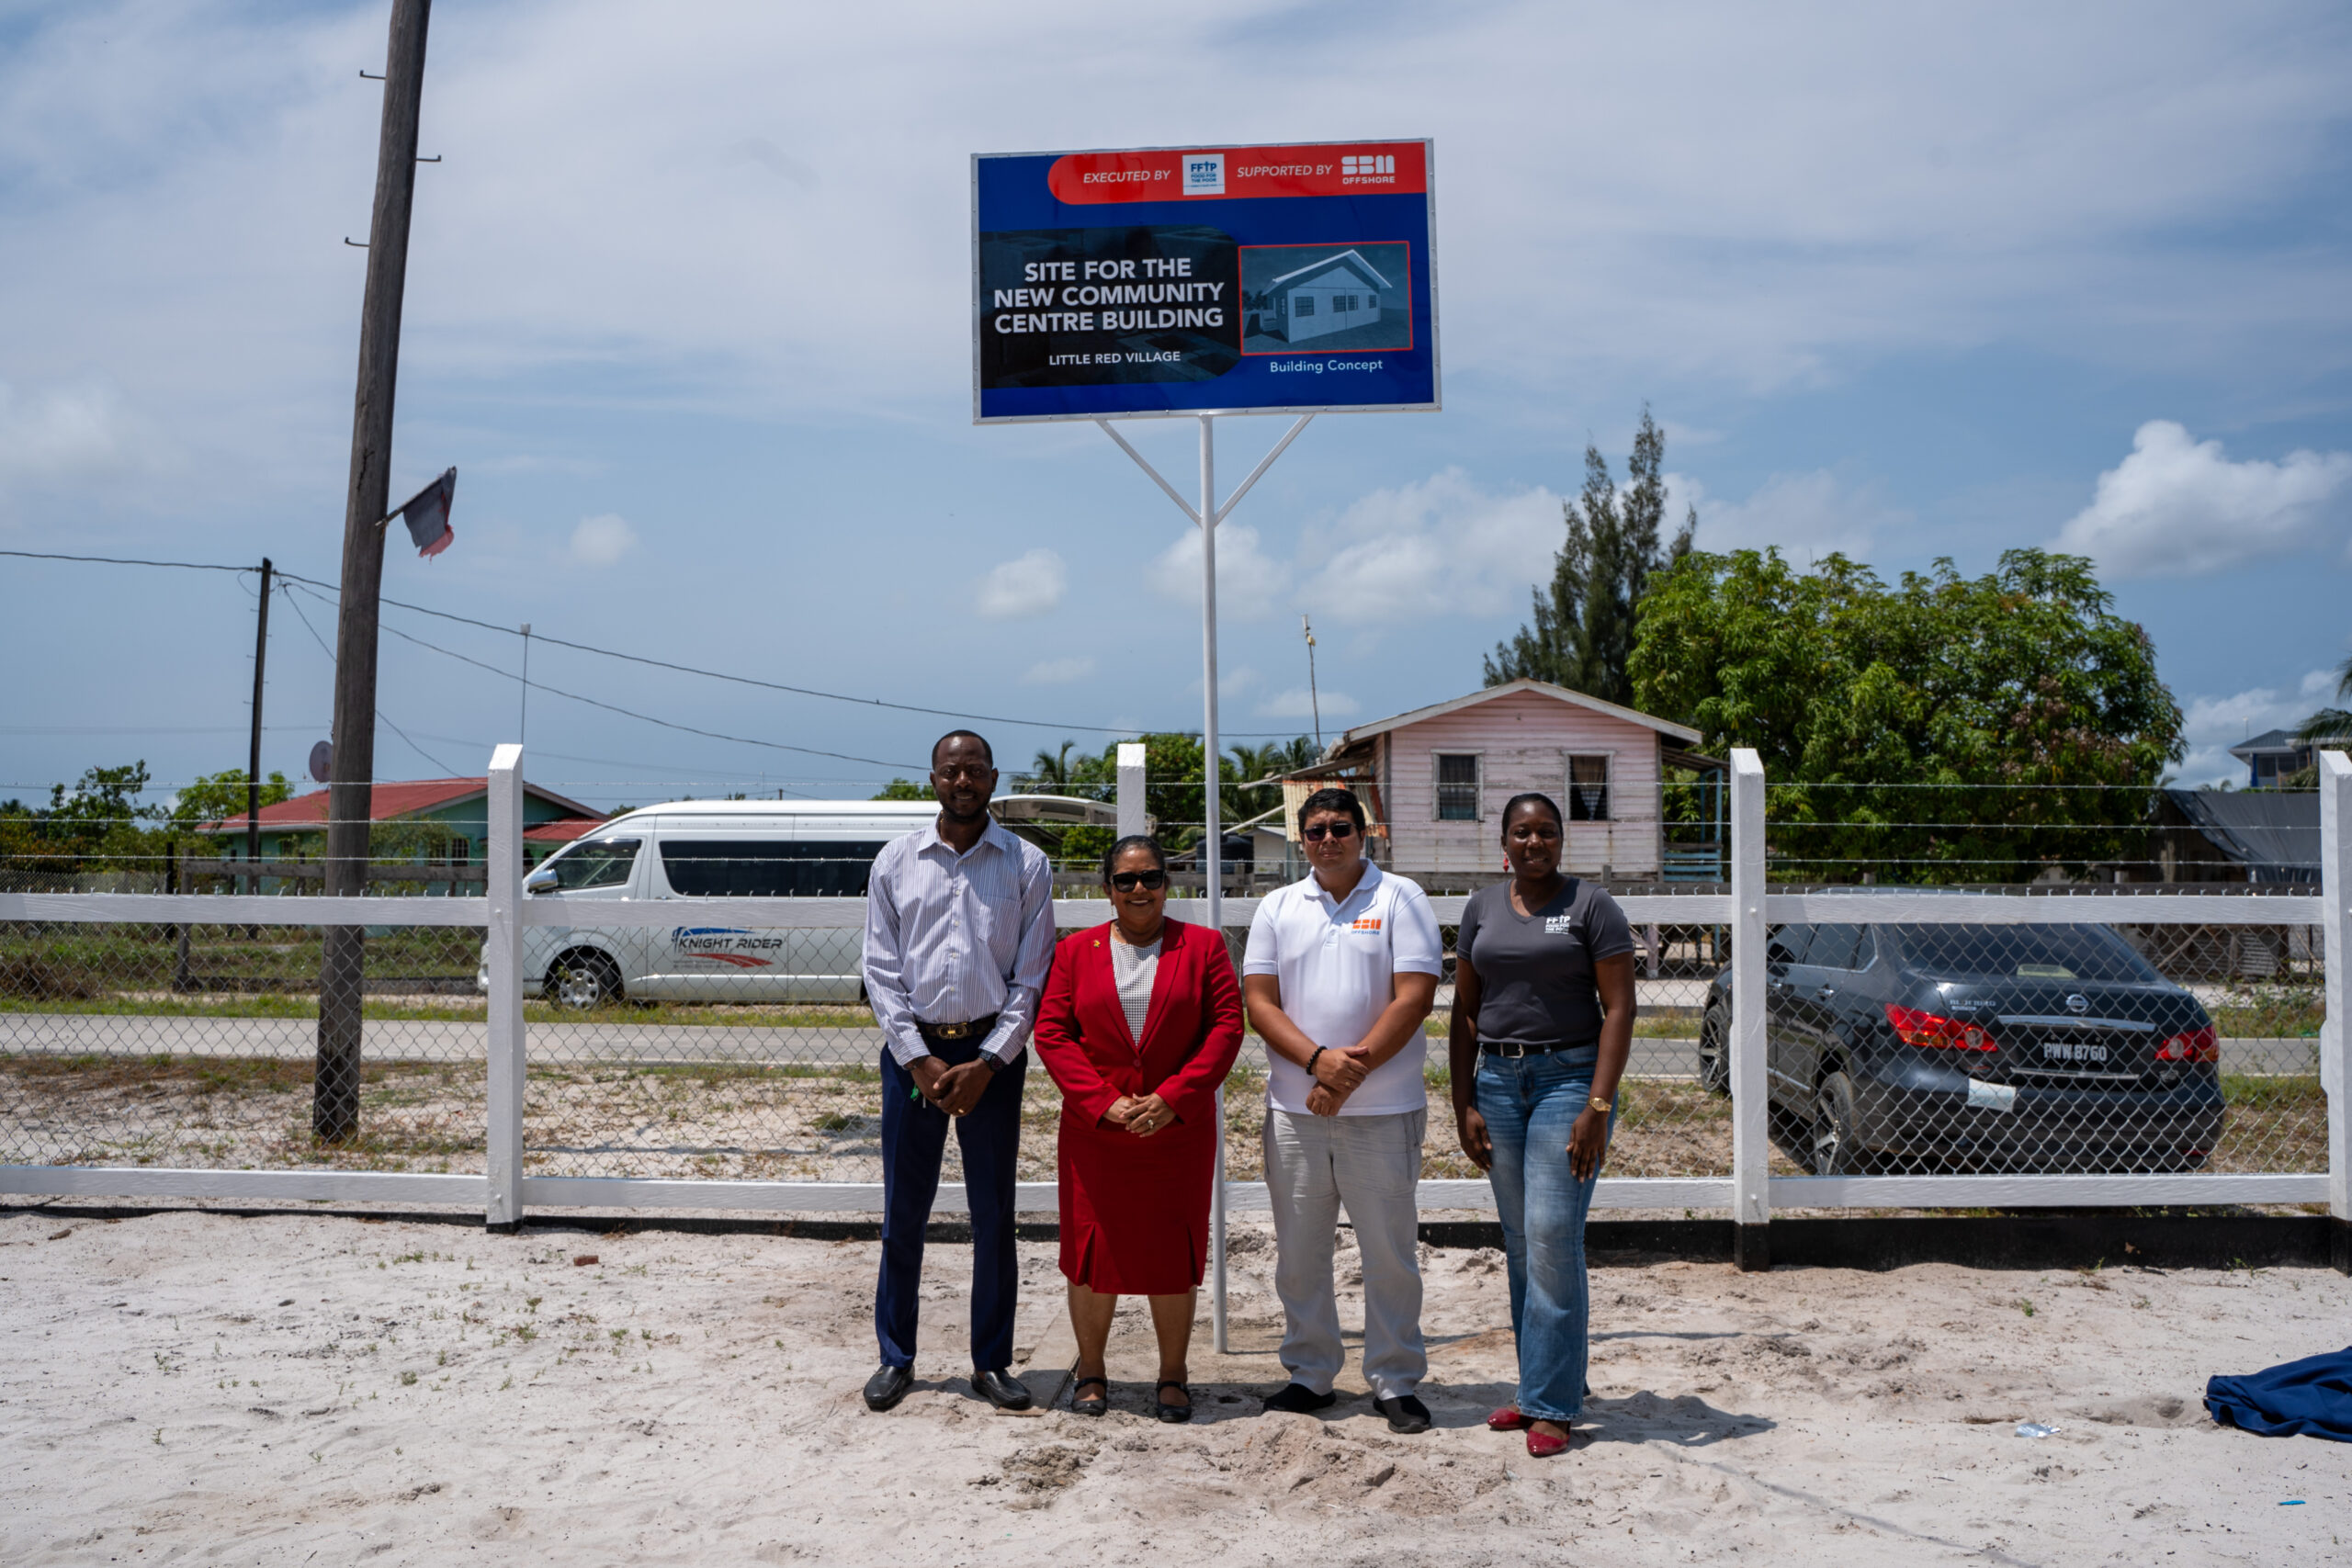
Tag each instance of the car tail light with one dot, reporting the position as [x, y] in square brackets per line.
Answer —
[2192, 1045]
[1916, 1028]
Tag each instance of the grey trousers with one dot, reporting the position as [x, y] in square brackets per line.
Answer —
[1373, 1165]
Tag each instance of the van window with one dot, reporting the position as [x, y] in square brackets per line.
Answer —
[599, 863]
[753, 868]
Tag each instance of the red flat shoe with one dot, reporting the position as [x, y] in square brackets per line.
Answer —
[1541, 1446]
[1507, 1419]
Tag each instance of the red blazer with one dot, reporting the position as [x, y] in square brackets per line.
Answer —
[1191, 1034]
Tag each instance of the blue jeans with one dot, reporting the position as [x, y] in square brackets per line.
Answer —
[1531, 1104]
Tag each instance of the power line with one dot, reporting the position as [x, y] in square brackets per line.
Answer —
[123, 561]
[630, 713]
[650, 661]
[447, 771]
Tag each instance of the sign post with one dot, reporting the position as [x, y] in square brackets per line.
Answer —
[1200, 283]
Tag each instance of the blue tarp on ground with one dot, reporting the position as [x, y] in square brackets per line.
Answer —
[2311, 1397]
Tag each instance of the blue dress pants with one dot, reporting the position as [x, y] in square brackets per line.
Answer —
[914, 1139]
[1531, 1104]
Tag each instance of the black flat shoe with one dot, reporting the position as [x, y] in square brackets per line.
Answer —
[1405, 1414]
[1001, 1389]
[888, 1386]
[1299, 1400]
[1094, 1406]
[1174, 1414]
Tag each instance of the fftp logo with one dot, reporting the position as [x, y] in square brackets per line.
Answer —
[1204, 173]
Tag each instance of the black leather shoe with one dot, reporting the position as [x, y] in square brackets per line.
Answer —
[1404, 1413]
[1001, 1389]
[888, 1386]
[1299, 1400]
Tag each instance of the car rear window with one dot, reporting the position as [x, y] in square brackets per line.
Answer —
[2024, 952]
[751, 868]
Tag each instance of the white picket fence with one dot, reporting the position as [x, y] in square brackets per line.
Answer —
[506, 1191]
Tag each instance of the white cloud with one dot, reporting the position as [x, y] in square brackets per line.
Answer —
[2210, 725]
[1031, 584]
[602, 539]
[1440, 547]
[1806, 515]
[2178, 508]
[1250, 582]
[65, 433]
[1060, 671]
[1299, 703]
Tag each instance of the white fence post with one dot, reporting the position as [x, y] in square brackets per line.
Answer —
[2336, 1033]
[503, 953]
[1750, 1114]
[1131, 815]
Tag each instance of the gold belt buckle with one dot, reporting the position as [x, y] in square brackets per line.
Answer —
[949, 1030]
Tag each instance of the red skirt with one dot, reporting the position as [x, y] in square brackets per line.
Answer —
[1136, 1211]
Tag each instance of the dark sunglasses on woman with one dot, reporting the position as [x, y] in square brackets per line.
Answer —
[1128, 881]
[1342, 829]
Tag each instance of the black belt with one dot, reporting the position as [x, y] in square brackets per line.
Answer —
[977, 1029]
[1504, 1048]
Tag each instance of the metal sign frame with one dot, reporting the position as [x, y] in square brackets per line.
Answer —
[1436, 365]
[1205, 514]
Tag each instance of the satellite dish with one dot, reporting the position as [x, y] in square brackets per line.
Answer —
[322, 763]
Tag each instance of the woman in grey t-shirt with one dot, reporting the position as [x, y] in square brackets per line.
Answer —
[1542, 1024]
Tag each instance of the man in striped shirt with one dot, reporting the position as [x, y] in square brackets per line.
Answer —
[960, 931]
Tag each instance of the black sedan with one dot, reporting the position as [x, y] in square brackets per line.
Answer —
[2032, 1048]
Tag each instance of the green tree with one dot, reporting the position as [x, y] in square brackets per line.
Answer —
[1584, 626]
[216, 798]
[97, 827]
[1949, 728]
[2332, 724]
[904, 789]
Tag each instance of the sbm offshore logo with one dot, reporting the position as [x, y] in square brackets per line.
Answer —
[1368, 169]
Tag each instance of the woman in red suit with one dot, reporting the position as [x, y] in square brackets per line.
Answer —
[1139, 1023]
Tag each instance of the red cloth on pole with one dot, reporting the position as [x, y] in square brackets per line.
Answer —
[1135, 1210]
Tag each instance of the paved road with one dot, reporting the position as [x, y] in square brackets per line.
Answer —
[586, 1044]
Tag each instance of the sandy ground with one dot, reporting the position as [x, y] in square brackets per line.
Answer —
[191, 1387]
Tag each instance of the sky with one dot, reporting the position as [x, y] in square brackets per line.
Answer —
[688, 309]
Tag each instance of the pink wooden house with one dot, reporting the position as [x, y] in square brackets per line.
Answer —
[1436, 780]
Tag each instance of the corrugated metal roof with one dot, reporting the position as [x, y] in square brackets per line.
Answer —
[2273, 833]
[387, 800]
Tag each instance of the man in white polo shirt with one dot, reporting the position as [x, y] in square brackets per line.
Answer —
[1340, 970]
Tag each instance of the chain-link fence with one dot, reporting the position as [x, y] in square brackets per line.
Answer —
[194, 1045]
[1912, 1046]
[720, 1035]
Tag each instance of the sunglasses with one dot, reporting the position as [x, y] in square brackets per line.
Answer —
[1343, 829]
[1128, 881]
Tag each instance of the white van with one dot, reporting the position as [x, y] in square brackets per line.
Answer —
[727, 848]
[711, 848]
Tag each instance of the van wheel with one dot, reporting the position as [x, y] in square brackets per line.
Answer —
[1837, 1151]
[578, 982]
[1714, 1061]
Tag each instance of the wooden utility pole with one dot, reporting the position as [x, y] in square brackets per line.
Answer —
[253, 752]
[335, 1100]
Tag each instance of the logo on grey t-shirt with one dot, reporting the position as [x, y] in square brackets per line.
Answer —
[1559, 925]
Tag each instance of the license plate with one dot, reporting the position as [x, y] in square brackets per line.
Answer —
[2073, 1050]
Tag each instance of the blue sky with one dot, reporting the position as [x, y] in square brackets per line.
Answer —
[687, 309]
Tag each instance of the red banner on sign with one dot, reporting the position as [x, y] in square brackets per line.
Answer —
[1231, 173]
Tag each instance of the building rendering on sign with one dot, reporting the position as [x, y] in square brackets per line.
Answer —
[1326, 296]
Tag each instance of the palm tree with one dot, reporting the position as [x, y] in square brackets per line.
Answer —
[1049, 773]
[2332, 724]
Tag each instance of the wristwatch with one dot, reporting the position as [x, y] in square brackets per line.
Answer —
[1603, 1106]
[994, 1063]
